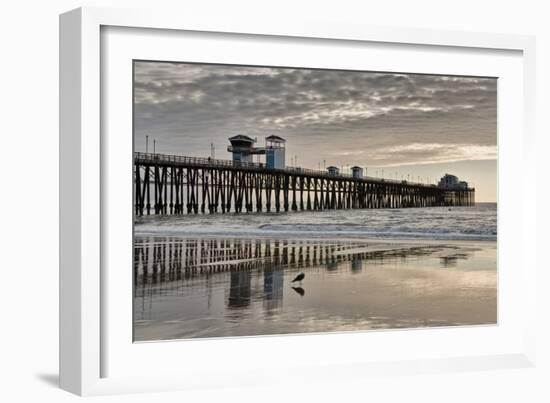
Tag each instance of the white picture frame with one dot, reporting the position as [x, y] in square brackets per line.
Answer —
[87, 312]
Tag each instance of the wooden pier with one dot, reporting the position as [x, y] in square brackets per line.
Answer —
[171, 184]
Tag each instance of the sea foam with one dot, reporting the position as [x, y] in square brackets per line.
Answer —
[456, 223]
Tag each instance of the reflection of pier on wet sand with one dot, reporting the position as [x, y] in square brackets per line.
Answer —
[208, 287]
[168, 259]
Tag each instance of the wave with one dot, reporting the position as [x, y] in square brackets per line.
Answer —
[479, 223]
[316, 231]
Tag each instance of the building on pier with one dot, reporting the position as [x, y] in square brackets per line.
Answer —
[242, 148]
[333, 171]
[449, 181]
[275, 152]
[357, 172]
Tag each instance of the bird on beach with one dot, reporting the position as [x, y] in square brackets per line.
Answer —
[299, 278]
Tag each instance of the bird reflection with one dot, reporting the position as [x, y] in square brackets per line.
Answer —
[299, 290]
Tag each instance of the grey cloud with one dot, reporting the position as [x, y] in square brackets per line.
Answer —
[187, 106]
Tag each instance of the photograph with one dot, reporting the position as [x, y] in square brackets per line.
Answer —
[278, 200]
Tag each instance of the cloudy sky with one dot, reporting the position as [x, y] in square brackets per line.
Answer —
[399, 124]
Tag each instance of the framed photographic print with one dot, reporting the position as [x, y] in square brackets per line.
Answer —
[232, 193]
[239, 235]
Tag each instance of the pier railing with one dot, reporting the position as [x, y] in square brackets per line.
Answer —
[202, 162]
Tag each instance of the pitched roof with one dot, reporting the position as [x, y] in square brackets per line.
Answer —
[275, 138]
[242, 137]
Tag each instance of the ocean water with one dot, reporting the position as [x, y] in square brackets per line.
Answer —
[444, 223]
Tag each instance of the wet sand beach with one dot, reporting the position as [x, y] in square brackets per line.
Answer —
[191, 287]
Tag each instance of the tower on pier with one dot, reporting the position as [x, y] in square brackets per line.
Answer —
[275, 152]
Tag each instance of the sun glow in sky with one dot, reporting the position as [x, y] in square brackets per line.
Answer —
[396, 125]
